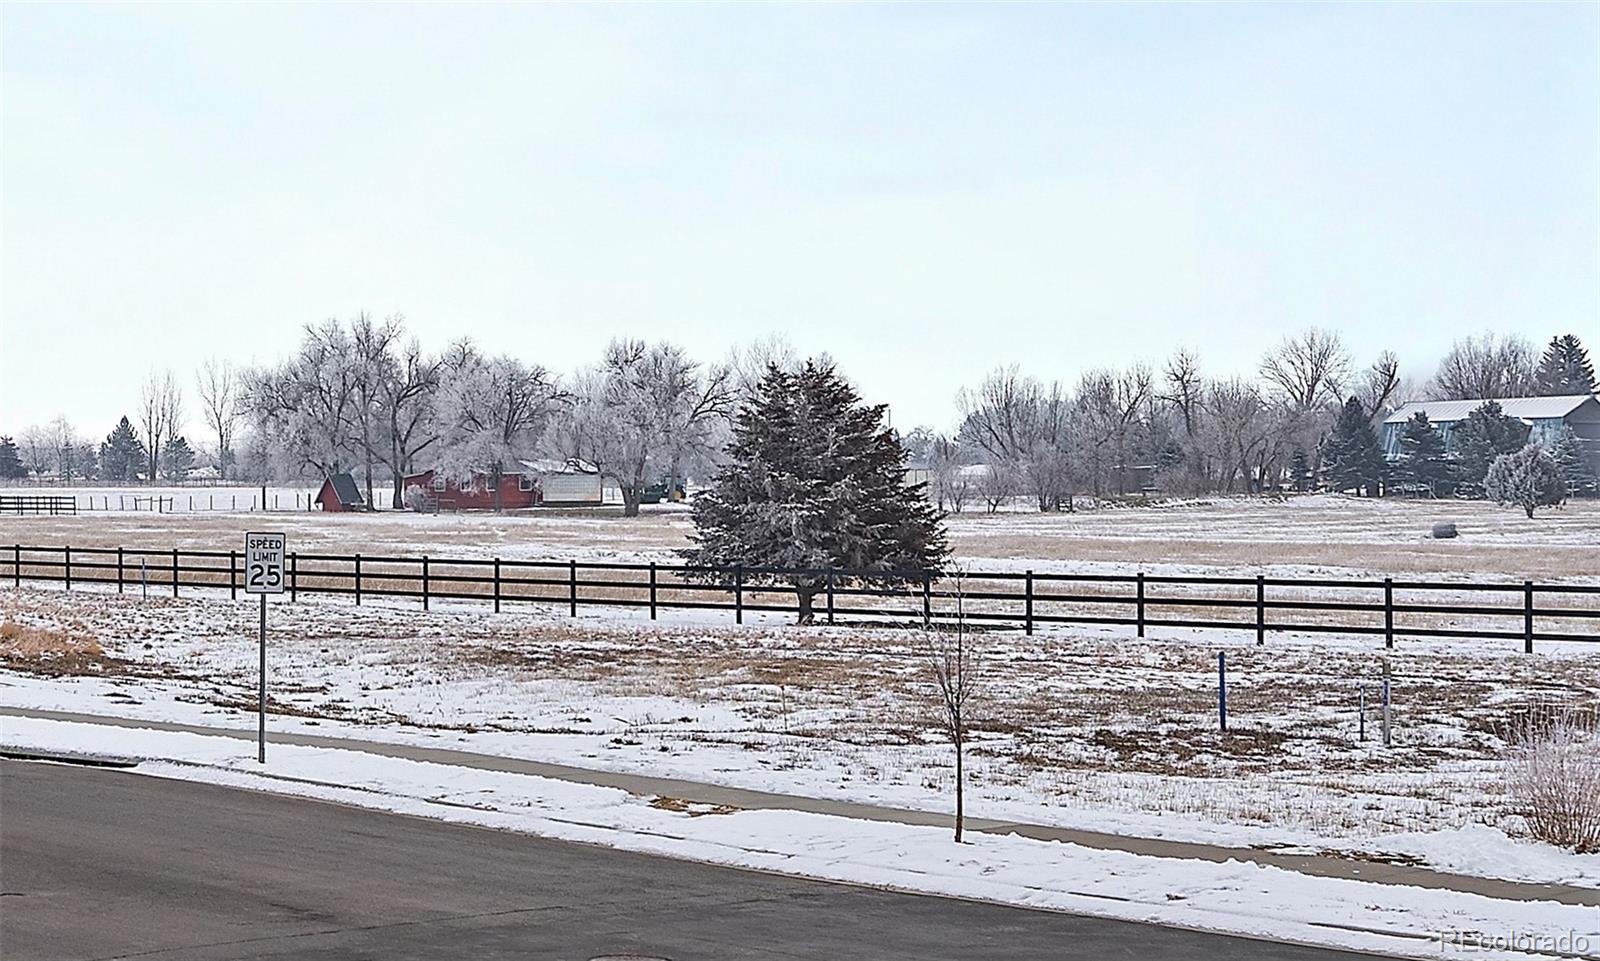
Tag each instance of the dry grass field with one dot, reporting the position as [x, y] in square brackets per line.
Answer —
[1305, 534]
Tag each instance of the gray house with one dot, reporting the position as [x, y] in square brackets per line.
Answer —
[1546, 418]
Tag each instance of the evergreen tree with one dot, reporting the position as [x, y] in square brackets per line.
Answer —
[1352, 459]
[814, 482]
[1528, 478]
[122, 455]
[177, 458]
[1486, 434]
[11, 461]
[1576, 465]
[1423, 462]
[1300, 471]
[1565, 368]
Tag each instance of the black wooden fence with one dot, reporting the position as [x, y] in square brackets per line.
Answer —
[37, 504]
[1388, 607]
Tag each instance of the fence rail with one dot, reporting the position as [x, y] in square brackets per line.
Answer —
[37, 504]
[1380, 607]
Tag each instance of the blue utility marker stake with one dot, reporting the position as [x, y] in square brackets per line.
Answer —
[1222, 688]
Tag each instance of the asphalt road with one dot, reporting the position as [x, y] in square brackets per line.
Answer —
[110, 864]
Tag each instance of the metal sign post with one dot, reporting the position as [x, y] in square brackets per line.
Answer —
[263, 574]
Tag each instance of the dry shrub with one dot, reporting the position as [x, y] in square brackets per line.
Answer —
[1553, 776]
[50, 651]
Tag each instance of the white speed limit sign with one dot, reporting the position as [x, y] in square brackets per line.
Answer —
[263, 563]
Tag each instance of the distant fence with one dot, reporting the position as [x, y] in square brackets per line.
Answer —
[37, 504]
[1388, 608]
[206, 502]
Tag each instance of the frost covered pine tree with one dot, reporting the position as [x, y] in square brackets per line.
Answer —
[1575, 463]
[1528, 478]
[122, 455]
[1487, 433]
[815, 482]
[177, 458]
[1565, 368]
[1352, 459]
[11, 460]
[1423, 461]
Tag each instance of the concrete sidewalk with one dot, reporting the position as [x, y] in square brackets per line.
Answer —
[1317, 865]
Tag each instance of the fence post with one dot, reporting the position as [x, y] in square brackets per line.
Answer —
[738, 593]
[67, 566]
[1388, 612]
[927, 599]
[830, 595]
[497, 585]
[572, 588]
[424, 582]
[16, 565]
[1027, 610]
[1386, 703]
[1261, 610]
[1140, 592]
[119, 570]
[652, 590]
[1527, 617]
[294, 576]
[1222, 689]
[174, 572]
[358, 579]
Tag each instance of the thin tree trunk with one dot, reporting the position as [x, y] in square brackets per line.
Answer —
[961, 814]
[805, 593]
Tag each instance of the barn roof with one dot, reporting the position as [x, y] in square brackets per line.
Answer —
[344, 488]
[1524, 408]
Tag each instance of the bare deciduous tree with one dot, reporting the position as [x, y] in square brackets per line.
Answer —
[218, 387]
[497, 410]
[1019, 421]
[644, 408]
[1308, 369]
[160, 410]
[1185, 388]
[1486, 368]
[952, 660]
[1380, 385]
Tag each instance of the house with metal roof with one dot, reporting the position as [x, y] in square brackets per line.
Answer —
[1546, 417]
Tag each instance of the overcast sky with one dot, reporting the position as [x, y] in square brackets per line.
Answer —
[923, 191]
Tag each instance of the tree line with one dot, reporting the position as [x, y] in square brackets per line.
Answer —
[1306, 421]
[365, 396]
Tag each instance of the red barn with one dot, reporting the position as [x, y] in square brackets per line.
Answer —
[537, 483]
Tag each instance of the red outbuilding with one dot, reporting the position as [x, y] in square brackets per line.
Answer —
[340, 493]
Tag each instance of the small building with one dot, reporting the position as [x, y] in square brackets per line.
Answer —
[536, 483]
[1546, 417]
[339, 493]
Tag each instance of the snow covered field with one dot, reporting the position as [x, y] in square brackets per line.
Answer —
[1081, 729]
[1303, 536]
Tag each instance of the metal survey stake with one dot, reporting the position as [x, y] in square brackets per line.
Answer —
[263, 574]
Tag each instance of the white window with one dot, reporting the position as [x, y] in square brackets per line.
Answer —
[438, 482]
[524, 482]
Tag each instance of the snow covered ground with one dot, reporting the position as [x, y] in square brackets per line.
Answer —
[1083, 729]
[1234, 897]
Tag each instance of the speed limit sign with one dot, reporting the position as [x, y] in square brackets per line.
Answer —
[263, 563]
[263, 574]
